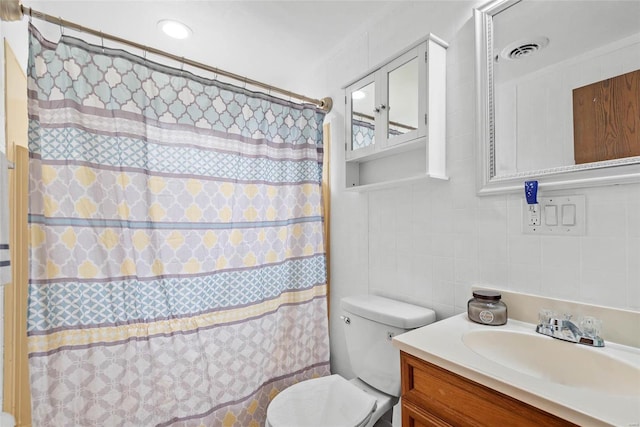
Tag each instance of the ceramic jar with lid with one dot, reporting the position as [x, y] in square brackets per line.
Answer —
[485, 307]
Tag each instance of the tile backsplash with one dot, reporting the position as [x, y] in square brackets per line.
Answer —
[423, 247]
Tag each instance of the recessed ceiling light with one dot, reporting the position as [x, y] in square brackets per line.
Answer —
[174, 29]
[358, 94]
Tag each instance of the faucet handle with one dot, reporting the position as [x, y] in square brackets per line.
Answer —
[591, 326]
[545, 316]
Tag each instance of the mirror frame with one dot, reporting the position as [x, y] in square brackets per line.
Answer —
[611, 172]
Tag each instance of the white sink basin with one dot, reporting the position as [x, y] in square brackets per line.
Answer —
[584, 385]
[557, 361]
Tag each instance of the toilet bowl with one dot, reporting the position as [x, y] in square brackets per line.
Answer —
[330, 401]
[370, 322]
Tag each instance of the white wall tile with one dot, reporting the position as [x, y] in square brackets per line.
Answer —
[422, 276]
[492, 247]
[466, 247]
[404, 242]
[465, 221]
[603, 253]
[560, 250]
[461, 122]
[422, 243]
[466, 271]
[495, 203]
[443, 269]
[404, 279]
[463, 192]
[604, 270]
[442, 245]
[608, 194]
[422, 203]
[602, 286]
[514, 215]
[633, 274]
[633, 219]
[440, 199]
[560, 281]
[493, 274]
[443, 216]
[525, 250]
[525, 278]
[607, 220]
[462, 295]
[444, 292]
[443, 311]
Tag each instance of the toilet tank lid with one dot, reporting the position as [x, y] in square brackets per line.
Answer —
[387, 311]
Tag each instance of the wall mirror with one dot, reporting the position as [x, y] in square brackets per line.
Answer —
[558, 93]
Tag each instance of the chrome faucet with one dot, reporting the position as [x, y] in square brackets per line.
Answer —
[564, 329]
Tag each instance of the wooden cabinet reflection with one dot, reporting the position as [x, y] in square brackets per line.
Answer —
[606, 119]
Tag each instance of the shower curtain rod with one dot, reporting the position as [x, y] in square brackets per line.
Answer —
[324, 103]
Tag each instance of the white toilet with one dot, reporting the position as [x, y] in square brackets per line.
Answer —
[370, 322]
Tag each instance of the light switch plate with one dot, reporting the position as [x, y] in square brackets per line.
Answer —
[560, 216]
[551, 215]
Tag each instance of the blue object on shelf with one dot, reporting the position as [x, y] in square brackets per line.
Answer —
[531, 192]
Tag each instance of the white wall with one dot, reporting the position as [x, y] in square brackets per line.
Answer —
[428, 243]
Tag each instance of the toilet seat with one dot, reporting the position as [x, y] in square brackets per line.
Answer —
[330, 401]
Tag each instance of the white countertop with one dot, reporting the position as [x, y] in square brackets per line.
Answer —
[441, 344]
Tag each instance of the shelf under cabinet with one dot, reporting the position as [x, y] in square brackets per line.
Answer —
[397, 166]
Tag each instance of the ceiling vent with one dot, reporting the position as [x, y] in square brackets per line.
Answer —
[524, 48]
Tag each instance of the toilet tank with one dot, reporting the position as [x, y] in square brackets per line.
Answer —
[370, 321]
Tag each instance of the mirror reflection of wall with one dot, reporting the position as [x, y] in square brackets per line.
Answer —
[543, 51]
[363, 122]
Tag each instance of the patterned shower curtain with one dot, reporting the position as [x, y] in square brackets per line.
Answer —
[178, 269]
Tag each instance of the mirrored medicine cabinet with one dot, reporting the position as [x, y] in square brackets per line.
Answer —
[395, 119]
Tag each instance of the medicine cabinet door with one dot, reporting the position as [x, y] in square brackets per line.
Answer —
[405, 116]
[362, 104]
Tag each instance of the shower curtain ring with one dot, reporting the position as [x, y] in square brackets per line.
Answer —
[61, 27]
[30, 15]
[182, 67]
[102, 41]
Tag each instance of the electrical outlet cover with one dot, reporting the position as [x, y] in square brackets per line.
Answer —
[569, 212]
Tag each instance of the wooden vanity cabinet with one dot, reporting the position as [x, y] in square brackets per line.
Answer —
[433, 396]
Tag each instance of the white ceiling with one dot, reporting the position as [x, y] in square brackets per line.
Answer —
[270, 41]
[281, 42]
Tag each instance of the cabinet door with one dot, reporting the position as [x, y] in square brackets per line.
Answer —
[412, 416]
[404, 80]
[456, 400]
[362, 135]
